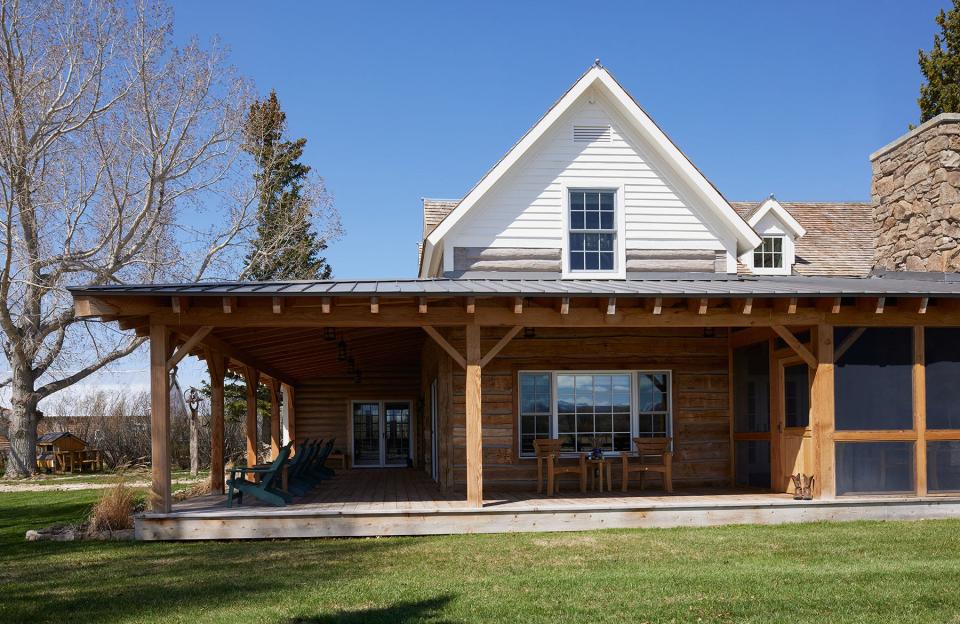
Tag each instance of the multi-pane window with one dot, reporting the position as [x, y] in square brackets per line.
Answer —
[593, 230]
[588, 410]
[769, 255]
[535, 409]
[593, 411]
[653, 406]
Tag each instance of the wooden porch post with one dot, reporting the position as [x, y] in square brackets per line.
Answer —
[473, 425]
[217, 368]
[274, 419]
[291, 414]
[920, 408]
[159, 419]
[822, 414]
[252, 379]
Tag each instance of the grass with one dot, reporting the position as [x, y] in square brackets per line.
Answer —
[845, 572]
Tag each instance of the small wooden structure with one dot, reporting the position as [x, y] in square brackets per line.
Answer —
[61, 451]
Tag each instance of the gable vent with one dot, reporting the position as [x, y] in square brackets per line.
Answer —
[592, 134]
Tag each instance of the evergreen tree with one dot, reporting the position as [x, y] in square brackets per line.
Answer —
[286, 246]
[941, 68]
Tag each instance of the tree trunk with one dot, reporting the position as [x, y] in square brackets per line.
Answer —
[22, 458]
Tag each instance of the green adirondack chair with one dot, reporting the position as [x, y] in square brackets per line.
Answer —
[264, 490]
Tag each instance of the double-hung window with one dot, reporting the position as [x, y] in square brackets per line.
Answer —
[769, 255]
[593, 230]
[588, 410]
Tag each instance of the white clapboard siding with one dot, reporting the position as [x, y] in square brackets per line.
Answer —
[525, 209]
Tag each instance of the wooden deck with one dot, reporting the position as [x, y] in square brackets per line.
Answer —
[406, 502]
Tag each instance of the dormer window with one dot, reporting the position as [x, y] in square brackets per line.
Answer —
[779, 232]
[769, 255]
[593, 231]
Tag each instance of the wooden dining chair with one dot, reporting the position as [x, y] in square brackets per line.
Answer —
[548, 453]
[653, 455]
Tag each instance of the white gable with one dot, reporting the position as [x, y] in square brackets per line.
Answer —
[594, 137]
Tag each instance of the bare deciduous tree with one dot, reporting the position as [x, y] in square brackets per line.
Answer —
[112, 142]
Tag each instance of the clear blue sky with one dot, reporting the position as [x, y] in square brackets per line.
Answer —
[403, 100]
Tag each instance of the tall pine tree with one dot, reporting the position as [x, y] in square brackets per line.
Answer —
[941, 68]
[286, 246]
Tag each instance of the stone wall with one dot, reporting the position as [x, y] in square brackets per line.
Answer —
[916, 194]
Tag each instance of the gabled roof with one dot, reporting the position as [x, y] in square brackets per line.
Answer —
[839, 239]
[681, 166]
[771, 205]
[53, 436]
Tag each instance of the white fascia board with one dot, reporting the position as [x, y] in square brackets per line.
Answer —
[772, 205]
[746, 238]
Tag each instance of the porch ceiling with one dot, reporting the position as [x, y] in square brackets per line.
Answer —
[305, 354]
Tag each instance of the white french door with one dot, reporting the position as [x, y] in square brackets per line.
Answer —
[381, 433]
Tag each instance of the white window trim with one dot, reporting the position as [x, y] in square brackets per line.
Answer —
[619, 214]
[786, 245]
[634, 403]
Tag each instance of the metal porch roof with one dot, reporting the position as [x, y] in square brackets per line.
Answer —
[663, 284]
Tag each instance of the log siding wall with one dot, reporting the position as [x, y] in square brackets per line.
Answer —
[701, 422]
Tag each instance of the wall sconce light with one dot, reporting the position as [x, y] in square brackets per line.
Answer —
[529, 332]
[351, 365]
[709, 332]
[341, 351]
[329, 334]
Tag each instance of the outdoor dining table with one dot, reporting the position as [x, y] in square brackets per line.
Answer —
[596, 469]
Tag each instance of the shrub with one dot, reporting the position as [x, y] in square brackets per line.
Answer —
[113, 511]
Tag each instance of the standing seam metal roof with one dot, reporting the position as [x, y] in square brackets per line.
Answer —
[938, 284]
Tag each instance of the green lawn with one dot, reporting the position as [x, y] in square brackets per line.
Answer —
[855, 572]
[136, 474]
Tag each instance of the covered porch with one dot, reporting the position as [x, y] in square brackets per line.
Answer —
[366, 503]
[748, 369]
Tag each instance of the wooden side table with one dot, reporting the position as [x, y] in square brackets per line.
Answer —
[597, 468]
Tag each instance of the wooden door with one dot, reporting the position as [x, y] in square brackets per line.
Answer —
[796, 440]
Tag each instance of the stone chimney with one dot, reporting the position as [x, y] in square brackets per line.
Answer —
[916, 197]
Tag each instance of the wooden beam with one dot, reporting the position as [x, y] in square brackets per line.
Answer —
[86, 307]
[611, 307]
[848, 342]
[786, 305]
[698, 305]
[920, 409]
[822, 413]
[518, 305]
[492, 353]
[160, 499]
[922, 307]
[879, 306]
[446, 346]
[744, 305]
[240, 356]
[275, 442]
[251, 377]
[192, 342]
[291, 413]
[229, 305]
[374, 305]
[829, 305]
[658, 306]
[422, 305]
[325, 304]
[470, 305]
[474, 428]
[277, 305]
[565, 306]
[796, 345]
[179, 304]
[216, 368]
[492, 312]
